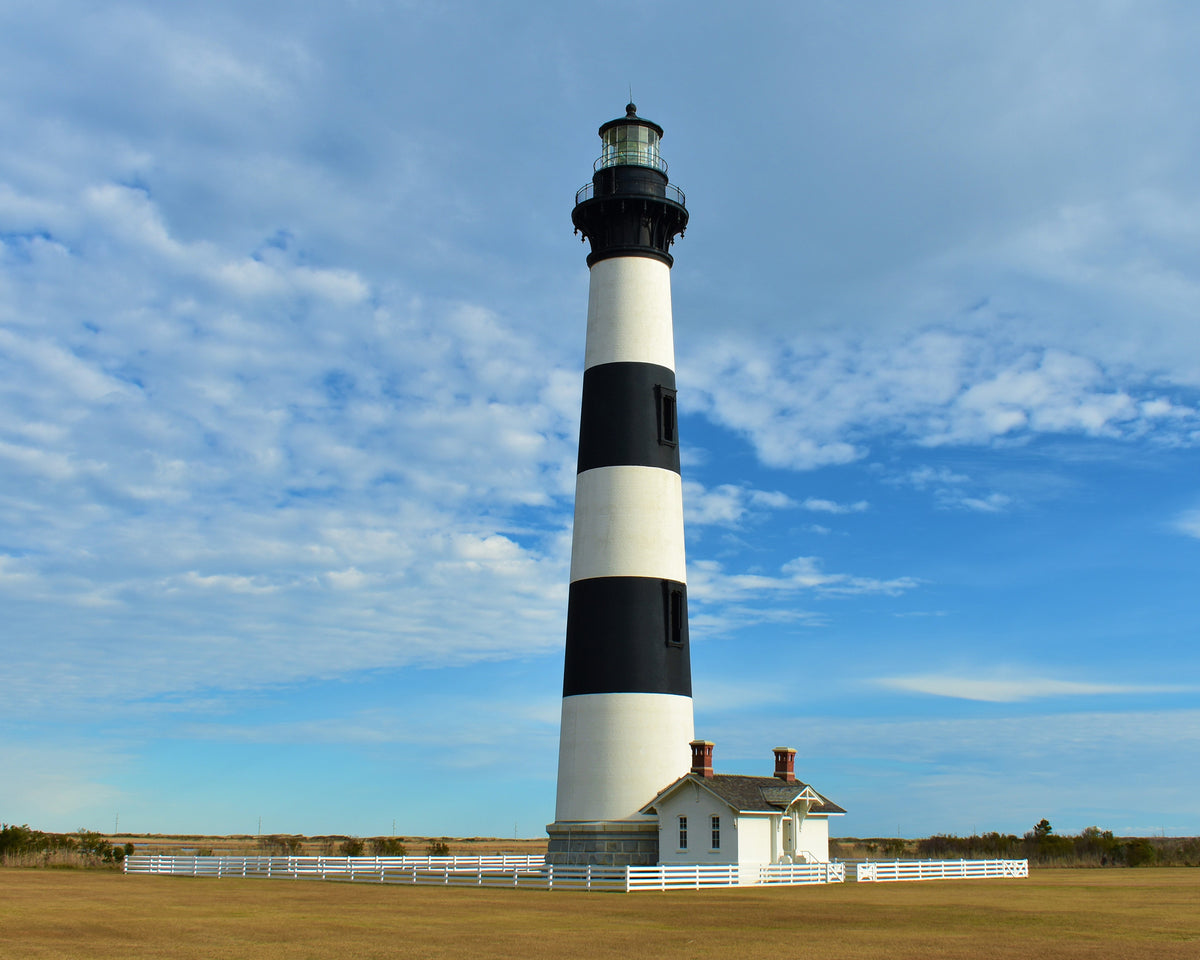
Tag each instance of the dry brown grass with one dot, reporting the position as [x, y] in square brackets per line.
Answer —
[1094, 914]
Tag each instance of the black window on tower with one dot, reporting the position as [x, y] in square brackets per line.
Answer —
[676, 614]
[668, 423]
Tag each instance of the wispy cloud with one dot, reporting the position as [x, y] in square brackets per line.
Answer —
[818, 505]
[952, 490]
[708, 579]
[1014, 688]
[805, 405]
[1188, 522]
[728, 504]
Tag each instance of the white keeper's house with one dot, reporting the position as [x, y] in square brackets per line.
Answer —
[706, 817]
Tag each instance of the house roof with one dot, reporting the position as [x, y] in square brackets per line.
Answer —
[753, 794]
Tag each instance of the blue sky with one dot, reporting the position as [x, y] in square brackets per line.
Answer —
[291, 341]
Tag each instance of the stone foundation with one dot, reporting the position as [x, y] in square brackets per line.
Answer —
[606, 843]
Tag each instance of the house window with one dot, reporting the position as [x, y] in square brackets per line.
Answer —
[683, 833]
[668, 422]
[716, 833]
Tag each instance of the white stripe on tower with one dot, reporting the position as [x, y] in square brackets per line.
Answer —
[627, 707]
[628, 300]
[628, 523]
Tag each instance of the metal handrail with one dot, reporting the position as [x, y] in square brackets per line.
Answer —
[630, 158]
[673, 193]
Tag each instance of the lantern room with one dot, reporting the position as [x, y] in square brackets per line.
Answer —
[631, 141]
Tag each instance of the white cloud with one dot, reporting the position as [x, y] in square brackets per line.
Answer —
[832, 506]
[924, 476]
[708, 580]
[819, 402]
[1013, 688]
[728, 504]
[992, 503]
[1188, 522]
[341, 467]
[950, 489]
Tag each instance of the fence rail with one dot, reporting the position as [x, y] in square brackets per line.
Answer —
[881, 871]
[529, 872]
[533, 872]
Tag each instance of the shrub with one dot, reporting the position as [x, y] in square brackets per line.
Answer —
[282, 845]
[1139, 852]
[437, 848]
[351, 847]
[94, 847]
[388, 847]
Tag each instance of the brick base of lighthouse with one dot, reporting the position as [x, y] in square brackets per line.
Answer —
[604, 843]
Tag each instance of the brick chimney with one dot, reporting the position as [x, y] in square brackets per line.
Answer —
[785, 764]
[702, 758]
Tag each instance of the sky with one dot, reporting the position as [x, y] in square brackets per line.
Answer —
[291, 345]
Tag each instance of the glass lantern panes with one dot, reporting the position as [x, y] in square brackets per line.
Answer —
[631, 144]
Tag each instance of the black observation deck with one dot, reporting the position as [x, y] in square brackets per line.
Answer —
[630, 208]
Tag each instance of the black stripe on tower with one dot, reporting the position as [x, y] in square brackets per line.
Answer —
[631, 211]
[628, 417]
[627, 635]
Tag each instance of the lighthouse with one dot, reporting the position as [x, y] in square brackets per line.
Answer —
[627, 690]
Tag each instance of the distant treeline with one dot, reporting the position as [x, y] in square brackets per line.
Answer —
[23, 844]
[1092, 847]
[290, 845]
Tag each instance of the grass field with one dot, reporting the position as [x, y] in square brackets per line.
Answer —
[1094, 914]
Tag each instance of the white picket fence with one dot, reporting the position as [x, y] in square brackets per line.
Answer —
[499, 871]
[881, 871]
[534, 872]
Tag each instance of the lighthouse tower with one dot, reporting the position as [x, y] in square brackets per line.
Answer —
[627, 689]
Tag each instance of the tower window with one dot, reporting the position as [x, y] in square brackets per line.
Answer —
[716, 833]
[676, 615]
[683, 833]
[668, 422]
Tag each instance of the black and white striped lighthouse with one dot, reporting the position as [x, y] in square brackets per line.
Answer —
[627, 690]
